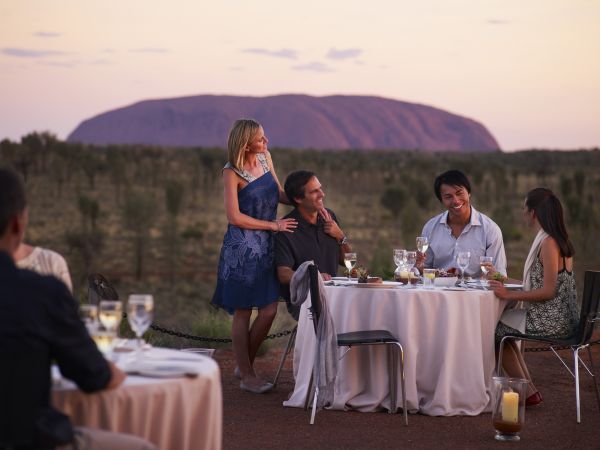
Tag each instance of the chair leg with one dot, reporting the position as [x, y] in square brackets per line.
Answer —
[499, 368]
[314, 406]
[288, 348]
[576, 363]
[393, 383]
[402, 383]
[593, 371]
[309, 393]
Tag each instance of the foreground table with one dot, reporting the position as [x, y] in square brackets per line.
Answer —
[174, 413]
[448, 340]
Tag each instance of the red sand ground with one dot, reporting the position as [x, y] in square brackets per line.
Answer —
[260, 421]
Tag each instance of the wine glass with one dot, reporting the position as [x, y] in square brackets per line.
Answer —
[349, 262]
[89, 316]
[484, 262]
[111, 313]
[462, 259]
[139, 314]
[399, 257]
[422, 244]
[410, 259]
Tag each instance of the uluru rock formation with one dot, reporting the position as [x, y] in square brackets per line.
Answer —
[334, 122]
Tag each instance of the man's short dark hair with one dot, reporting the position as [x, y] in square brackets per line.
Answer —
[294, 184]
[12, 197]
[451, 178]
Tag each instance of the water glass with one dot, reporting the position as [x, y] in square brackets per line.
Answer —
[422, 244]
[349, 262]
[111, 313]
[428, 278]
[89, 316]
[462, 259]
[484, 263]
[140, 310]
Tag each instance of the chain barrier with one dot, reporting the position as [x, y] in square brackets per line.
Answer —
[281, 334]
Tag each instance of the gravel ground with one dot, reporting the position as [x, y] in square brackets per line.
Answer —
[260, 421]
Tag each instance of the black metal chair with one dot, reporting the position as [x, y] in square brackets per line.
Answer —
[360, 338]
[578, 341]
[288, 349]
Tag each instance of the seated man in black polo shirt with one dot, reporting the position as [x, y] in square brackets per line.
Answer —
[39, 323]
[318, 237]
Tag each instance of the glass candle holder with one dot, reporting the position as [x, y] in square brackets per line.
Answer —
[508, 407]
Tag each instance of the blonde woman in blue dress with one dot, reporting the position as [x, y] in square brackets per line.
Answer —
[247, 278]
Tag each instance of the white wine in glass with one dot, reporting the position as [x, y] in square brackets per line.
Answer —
[484, 262]
[349, 262]
[422, 244]
[140, 310]
[111, 313]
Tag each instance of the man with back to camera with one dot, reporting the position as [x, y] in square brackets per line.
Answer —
[460, 228]
[39, 323]
[318, 237]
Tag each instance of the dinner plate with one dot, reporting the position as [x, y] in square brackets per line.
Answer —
[384, 285]
[161, 370]
[513, 287]
[449, 288]
[342, 279]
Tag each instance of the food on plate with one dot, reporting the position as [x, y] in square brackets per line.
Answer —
[375, 280]
[498, 277]
[362, 273]
[442, 273]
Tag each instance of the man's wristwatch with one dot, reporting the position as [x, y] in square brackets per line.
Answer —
[344, 240]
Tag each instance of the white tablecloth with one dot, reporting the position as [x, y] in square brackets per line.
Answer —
[448, 340]
[174, 413]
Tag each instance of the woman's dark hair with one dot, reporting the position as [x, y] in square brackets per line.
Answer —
[549, 213]
[451, 178]
[12, 197]
[294, 184]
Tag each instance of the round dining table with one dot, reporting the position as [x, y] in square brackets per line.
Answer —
[448, 340]
[176, 405]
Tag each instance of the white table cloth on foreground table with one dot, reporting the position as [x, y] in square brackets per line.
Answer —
[174, 413]
[448, 340]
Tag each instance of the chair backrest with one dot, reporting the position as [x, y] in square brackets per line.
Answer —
[589, 306]
[315, 309]
[99, 288]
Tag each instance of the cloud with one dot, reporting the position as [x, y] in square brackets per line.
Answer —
[347, 53]
[29, 53]
[498, 21]
[287, 53]
[314, 66]
[149, 50]
[46, 34]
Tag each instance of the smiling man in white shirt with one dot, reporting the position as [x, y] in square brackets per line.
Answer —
[460, 228]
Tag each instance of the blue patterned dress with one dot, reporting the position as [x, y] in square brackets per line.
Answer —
[247, 277]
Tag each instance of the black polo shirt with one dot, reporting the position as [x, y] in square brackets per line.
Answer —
[307, 242]
[39, 323]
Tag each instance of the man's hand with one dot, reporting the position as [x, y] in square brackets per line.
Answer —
[331, 227]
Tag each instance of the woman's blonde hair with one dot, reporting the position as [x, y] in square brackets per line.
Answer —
[240, 134]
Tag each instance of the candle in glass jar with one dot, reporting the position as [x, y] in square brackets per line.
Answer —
[510, 407]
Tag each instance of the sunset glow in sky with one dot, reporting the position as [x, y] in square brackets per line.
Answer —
[528, 70]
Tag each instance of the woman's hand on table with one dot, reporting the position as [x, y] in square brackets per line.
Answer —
[499, 289]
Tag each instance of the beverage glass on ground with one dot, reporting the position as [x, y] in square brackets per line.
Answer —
[111, 313]
[428, 278]
[485, 263]
[462, 259]
[140, 309]
[89, 316]
[349, 262]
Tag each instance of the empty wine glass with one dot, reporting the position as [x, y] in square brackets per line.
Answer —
[139, 314]
[484, 264]
[399, 257]
[462, 259]
[89, 316]
[111, 313]
[349, 262]
[422, 244]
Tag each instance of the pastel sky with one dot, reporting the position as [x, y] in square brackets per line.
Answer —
[529, 70]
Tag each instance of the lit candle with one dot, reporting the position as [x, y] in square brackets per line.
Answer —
[510, 407]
